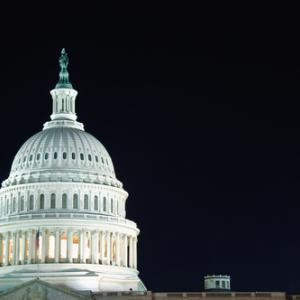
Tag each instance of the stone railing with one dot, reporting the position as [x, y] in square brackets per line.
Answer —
[64, 215]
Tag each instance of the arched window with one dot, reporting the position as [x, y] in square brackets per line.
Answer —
[14, 204]
[52, 200]
[75, 201]
[22, 203]
[112, 206]
[30, 157]
[64, 201]
[65, 155]
[38, 156]
[102, 160]
[46, 156]
[42, 201]
[73, 155]
[96, 203]
[96, 158]
[86, 201]
[104, 203]
[90, 157]
[31, 202]
[55, 155]
[81, 156]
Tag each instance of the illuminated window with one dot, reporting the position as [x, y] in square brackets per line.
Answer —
[10, 251]
[96, 203]
[87, 251]
[31, 202]
[86, 201]
[64, 201]
[75, 247]
[3, 250]
[63, 246]
[51, 245]
[42, 201]
[75, 201]
[52, 201]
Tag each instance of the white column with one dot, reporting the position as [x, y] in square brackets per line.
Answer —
[6, 248]
[82, 246]
[135, 253]
[30, 246]
[95, 245]
[125, 251]
[108, 248]
[102, 245]
[118, 254]
[57, 245]
[23, 261]
[16, 248]
[1, 249]
[70, 244]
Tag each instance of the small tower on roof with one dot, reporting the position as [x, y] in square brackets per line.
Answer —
[217, 283]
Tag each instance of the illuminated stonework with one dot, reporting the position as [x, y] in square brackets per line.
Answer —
[63, 213]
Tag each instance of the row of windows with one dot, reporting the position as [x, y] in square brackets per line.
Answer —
[64, 156]
[109, 206]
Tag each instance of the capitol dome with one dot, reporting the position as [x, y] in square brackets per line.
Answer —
[62, 153]
[62, 209]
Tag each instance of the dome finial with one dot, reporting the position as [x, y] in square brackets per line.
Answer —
[63, 74]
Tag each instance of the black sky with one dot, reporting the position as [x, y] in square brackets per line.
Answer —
[199, 110]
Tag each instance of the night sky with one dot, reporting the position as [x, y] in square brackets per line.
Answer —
[199, 110]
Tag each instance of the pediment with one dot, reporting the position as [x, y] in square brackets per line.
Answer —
[40, 290]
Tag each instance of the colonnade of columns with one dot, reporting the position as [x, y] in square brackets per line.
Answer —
[68, 246]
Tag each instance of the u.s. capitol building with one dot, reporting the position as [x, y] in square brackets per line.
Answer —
[63, 227]
[63, 215]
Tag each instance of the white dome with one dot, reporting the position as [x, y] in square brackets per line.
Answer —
[62, 154]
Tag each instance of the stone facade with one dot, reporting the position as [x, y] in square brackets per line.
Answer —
[40, 290]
